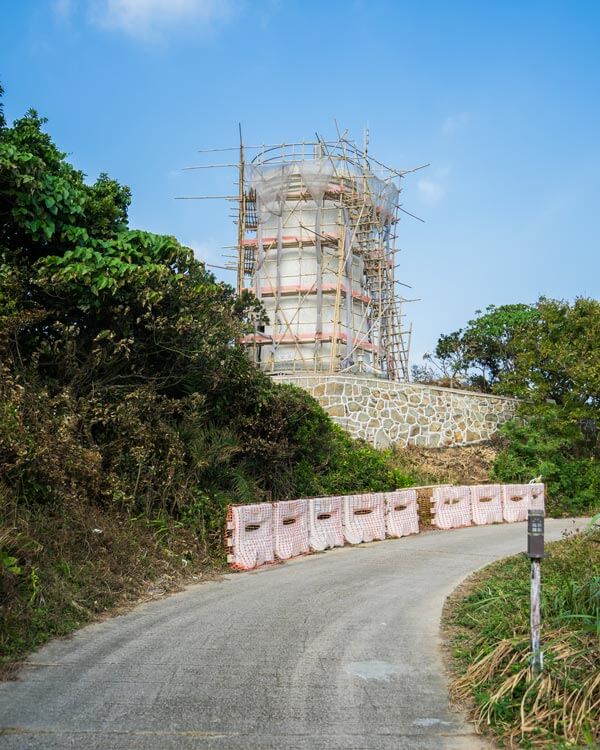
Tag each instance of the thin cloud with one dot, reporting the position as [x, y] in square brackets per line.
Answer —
[63, 8]
[455, 123]
[430, 192]
[151, 19]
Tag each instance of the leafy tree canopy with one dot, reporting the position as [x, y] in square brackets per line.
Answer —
[480, 354]
[557, 357]
[134, 306]
[548, 355]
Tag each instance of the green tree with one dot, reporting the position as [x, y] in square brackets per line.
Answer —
[558, 357]
[483, 352]
[556, 371]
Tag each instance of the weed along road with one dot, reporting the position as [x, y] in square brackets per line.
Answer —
[339, 650]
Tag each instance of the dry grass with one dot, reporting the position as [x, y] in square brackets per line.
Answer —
[468, 464]
[487, 628]
[66, 565]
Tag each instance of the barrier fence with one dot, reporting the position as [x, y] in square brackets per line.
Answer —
[264, 532]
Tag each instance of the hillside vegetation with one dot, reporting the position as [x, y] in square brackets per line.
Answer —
[548, 355]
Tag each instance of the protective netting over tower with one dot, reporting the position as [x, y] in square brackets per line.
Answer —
[317, 246]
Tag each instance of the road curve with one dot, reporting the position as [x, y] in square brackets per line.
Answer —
[339, 650]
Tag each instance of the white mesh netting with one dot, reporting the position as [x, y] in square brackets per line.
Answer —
[401, 513]
[451, 507]
[516, 502]
[486, 503]
[325, 523]
[249, 535]
[316, 176]
[271, 184]
[363, 518]
[290, 528]
[537, 496]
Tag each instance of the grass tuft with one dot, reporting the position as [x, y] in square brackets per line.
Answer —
[487, 623]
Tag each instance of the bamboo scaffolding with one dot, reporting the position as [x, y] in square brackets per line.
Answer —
[342, 282]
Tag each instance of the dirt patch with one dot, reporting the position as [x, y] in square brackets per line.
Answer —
[468, 464]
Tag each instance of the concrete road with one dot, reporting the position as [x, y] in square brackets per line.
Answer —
[338, 650]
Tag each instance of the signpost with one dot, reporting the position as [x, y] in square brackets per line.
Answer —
[535, 551]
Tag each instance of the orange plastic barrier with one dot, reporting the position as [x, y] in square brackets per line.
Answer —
[363, 518]
[325, 523]
[249, 535]
[451, 507]
[401, 513]
[290, 528]
[486, 503]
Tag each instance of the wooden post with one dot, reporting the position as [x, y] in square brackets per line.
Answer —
[537, 658]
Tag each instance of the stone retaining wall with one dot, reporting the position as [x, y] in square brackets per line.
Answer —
[384, 412]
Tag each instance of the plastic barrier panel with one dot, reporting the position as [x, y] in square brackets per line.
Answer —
[486, 503]
[516, 502]
[401, 513]
[325, 523]
[249, 536]
[518, 498]
[363, 518]
[290, 528]
[537, 490]
[451, 507]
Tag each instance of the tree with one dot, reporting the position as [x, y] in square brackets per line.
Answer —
[547, 355]
[111, 339]
[558, 357]
[480, 354]
[556, 371]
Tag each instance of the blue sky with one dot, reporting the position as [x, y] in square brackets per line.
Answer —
[502, 98]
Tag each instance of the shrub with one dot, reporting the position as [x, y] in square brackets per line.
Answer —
[555, 448]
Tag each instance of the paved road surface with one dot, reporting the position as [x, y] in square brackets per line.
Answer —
[339, 650]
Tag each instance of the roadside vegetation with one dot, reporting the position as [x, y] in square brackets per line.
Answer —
[487, 627]
[548, 355]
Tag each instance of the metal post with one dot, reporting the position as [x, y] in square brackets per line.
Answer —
[537, 657]
[535, 551]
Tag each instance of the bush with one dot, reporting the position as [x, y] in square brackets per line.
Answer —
[554, 447]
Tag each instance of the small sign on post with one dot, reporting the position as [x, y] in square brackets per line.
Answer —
[535, 551]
